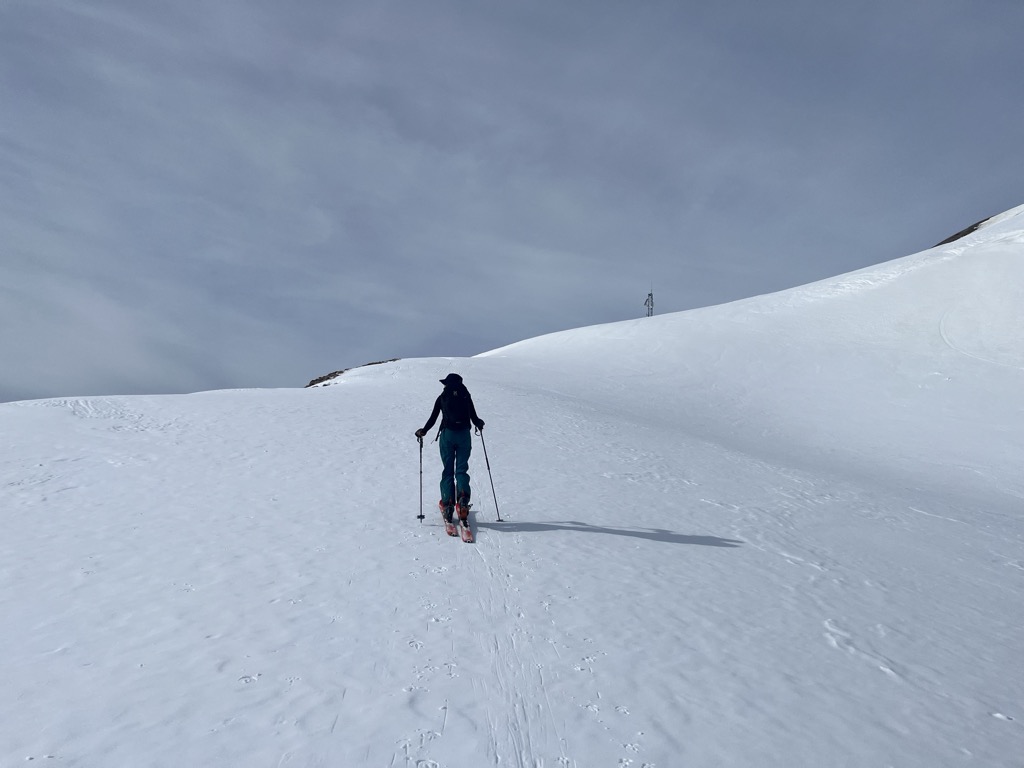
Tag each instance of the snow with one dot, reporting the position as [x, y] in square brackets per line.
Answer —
[786, 531]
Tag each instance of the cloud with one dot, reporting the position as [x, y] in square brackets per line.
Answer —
[251, 194]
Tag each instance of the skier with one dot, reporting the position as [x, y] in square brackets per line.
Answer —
[457, 409]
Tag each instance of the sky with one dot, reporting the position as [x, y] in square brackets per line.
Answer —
[252, 194]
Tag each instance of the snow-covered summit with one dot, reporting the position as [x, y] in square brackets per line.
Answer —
[785, 531]
[930, 343]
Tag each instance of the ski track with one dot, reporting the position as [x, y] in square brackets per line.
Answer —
[518, 728]
[523, 719]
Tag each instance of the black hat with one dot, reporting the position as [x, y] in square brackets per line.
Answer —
[451, 380]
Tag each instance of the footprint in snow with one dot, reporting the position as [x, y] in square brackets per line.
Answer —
[422, 672]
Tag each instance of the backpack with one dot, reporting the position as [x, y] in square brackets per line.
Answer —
[457, 408]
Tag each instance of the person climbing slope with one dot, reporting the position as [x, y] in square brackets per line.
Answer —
[458, 414]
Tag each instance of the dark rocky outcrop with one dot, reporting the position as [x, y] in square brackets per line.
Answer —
[327, 378]
[962, 233]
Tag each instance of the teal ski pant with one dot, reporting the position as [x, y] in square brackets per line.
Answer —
[456, 445]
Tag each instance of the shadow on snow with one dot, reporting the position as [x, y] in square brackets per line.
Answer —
[653, 534]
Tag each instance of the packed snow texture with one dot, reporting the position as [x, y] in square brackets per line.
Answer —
[787, 531]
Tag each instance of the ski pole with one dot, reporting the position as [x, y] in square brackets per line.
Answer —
[420, 516]
[489, 475]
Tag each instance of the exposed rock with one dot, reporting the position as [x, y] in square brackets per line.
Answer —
[961, 233]
[326, 379]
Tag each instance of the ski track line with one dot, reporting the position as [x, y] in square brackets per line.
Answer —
[944, 334]
[521, 718]
[842, 639]
[116, 411]
[516, 726]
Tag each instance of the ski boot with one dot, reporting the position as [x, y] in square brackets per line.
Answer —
[447, 510]
[448, 514]
[464, 530]
[463, 508]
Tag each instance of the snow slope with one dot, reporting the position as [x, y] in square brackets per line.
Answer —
[786, 531]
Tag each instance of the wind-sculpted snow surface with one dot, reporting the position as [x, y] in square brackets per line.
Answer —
[782, 532]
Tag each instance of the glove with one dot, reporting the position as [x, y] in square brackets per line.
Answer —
[479, 423]
[420, 433]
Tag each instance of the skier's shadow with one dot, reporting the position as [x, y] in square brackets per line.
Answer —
[653, 534]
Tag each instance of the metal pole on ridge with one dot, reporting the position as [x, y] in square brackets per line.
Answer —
[420, 516]
[488, 462]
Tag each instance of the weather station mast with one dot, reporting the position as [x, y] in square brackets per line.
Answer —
[650, 303]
